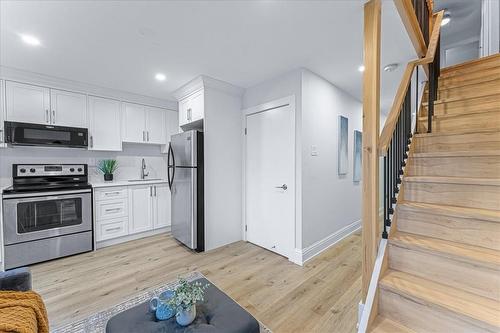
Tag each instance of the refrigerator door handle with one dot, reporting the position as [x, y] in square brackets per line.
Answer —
[170, 166]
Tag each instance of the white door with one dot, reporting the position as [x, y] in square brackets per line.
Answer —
[27, 103]
[197, 106]
[162, 206]
[140, 208]
[270, 179]
[134, 123]
[104, 129]
[68, 108]
[155, 125]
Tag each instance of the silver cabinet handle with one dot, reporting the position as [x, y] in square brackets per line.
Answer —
[91, 141]
[143, 136]
[283, 187]
[112, 193]
[189, 114]
[147, 133]
[113, 229]
[113, 209]
[1, 135]
[53, 116]
[151, 191]
[155, 190]
[47, 116]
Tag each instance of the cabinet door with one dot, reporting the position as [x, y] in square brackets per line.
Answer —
[2, 113]
[155, 125]
[68, 108]
[140, 208]
[104, 129]
[134, 123]
[27, 103]
[183, 109]
[197, 106]
[161, 206]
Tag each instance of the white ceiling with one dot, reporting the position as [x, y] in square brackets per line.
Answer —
[465, 24]
[122, 44]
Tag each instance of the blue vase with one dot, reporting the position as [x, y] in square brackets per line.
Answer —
[159, 305]
[185, 317]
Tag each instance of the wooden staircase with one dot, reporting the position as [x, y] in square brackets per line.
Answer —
[442, 271]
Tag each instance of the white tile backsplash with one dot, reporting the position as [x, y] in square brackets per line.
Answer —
[129, 160]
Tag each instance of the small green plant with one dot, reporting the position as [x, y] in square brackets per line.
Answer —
[107, 167]
[187, 294]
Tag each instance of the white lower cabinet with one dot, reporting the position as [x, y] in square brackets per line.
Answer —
[130, 210]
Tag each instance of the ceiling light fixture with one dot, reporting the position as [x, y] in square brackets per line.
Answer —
[446, 18]
[30, 40]
[160, 77]
[361, 68]
[390, 67]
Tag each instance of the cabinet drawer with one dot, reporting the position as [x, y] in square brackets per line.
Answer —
[111, 229]
[109, 209]
[111, 193]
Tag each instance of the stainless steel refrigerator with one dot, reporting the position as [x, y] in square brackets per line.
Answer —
[185, 180]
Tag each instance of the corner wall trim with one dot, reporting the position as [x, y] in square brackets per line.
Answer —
[315, 249]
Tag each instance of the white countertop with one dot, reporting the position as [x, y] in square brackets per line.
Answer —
[102, 183]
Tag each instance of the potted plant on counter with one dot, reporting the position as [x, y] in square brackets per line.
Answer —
[107, 167]
[184, 300]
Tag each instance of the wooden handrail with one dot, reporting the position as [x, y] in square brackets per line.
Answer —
[392, 118]
[410, 21]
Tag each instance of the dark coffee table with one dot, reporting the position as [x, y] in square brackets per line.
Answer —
[218, 313]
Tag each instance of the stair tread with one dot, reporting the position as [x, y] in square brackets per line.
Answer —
[459, 251]
[465, 304]
[385, 325]
[452, 180]
[454, 211]
[461, 114]
[487, 80]
[460, 98]
[459, 153]
[494, 58]
[461, 132]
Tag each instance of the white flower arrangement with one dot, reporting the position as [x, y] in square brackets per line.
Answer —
[187, 294]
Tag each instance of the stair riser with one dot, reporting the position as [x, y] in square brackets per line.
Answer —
[421, 317]
[475, 279]
[462, 230]
[457, 166]
[483, 66]
[469, 91]
[466, 122]
[465, 195]
[479, 104]
[458, 142]
[469, 78]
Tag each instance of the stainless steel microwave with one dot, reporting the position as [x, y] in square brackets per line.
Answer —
[27, 134]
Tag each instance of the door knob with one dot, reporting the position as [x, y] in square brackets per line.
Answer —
[283, 187]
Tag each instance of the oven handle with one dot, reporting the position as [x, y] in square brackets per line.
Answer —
[45, 195]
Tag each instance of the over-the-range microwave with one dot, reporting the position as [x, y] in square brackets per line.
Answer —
[27, 134]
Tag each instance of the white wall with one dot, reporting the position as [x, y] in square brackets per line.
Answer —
[330, 201]
[490, 27]
[223, 179]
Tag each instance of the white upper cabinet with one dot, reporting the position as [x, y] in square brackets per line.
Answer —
[68, 108]
[155, 125]
[192, 108]
[144, 124]
[134, 123]
[27, 103]
[104, 126]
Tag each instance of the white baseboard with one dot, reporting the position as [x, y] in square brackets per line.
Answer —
[303, 255]
[128, 238]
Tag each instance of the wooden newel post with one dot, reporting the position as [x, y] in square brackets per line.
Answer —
[371, 124]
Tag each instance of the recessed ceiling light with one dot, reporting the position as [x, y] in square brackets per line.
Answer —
[390, 67]
[160, 77]
[446, 18]
[361, 68]
[30, 40]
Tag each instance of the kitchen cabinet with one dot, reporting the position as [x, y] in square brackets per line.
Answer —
[161, 206]
[104, 124]
[143, 124]
[140, 203]
[41, 105]
[27, 103]
[171, 127]
[111, 213]
[191, 108]
[68, 108]
[2, 114]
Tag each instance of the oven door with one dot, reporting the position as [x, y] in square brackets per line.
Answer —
[27, 134]
[35, 216]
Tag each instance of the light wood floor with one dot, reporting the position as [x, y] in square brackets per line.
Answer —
[322, 296]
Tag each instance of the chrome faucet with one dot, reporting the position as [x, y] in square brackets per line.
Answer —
[143, 169]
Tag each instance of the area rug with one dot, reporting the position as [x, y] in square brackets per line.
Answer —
[96, 323]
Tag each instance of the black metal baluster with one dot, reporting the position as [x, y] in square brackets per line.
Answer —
[386, 201]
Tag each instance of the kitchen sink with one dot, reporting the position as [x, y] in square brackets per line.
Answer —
[144, 180]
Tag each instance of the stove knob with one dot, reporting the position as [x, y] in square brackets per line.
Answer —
[72, 169]
[32, 170]
[80, 169]
[23, 170]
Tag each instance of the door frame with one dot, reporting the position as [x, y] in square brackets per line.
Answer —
[285, 101]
